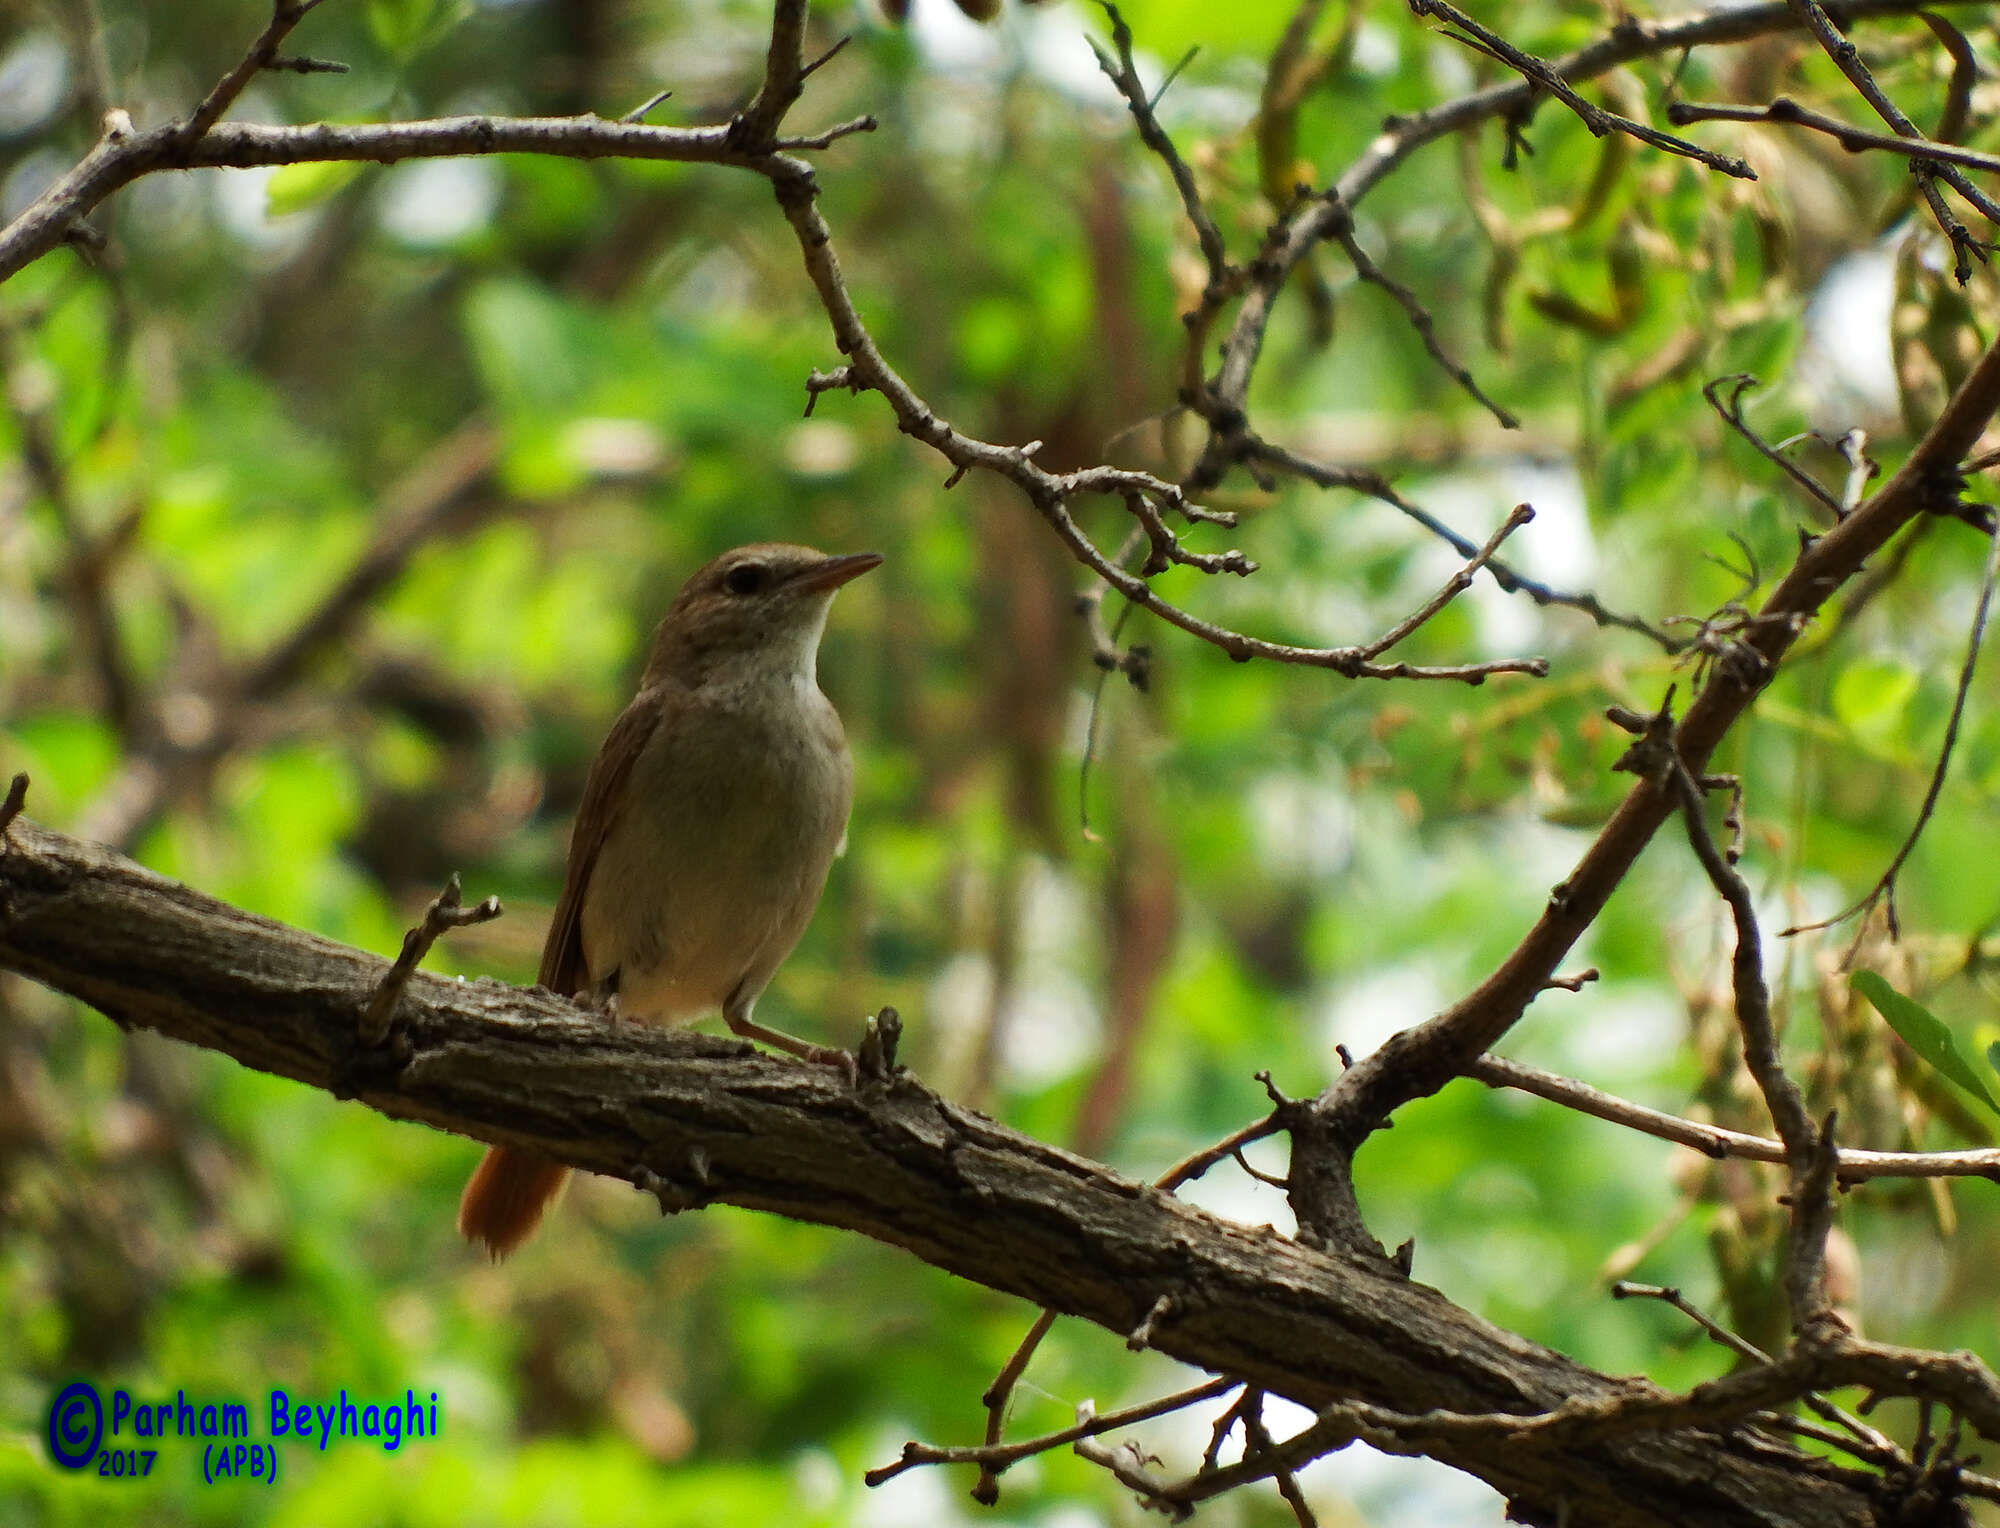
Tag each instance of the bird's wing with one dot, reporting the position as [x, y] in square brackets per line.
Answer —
[563, 967]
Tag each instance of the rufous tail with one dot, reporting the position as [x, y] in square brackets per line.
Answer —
[504, 1200]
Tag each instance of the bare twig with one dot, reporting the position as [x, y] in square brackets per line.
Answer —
[998, 1394]
[1632, 38]
[1128, 1467]
[1505, 575]
[1341, 229]
[285, 14]
[1852, 1165]
[1809, 1152]
[644, 109]
[1884, 889]
[1547, 78]
[1730, 410]
[1419, 1061]
[784, 78]
[865, 123]
[1257, 1443]
[1195, 1164]
[1454, 586]
[1856, 1429]
[443, 914]
[86, 573]
[1124, 73]
[1854, 139]
[993, 1458]
[1847, 58]
[1052, 493]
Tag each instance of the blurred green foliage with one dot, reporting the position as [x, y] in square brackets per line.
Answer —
[615, 355]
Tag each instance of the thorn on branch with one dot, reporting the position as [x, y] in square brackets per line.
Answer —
[1944, 495]
[806, 71]
[673, 1194]
[17, 797]
[1141, 1336]
[876, 1059]
[640, 112]
[818, 382]
[1574, 983]
[1652, 757]
[301, 64]
[443, 914]
[865, 123]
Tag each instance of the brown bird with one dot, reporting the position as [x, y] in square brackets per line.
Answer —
[709, 819]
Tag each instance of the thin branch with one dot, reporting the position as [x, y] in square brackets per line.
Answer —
[124, 153]
[756, 126]
[1421, 1060]
[1855, 140]
[865, 123]
[1124, 73]
[445, 913]
[1809, 1152]
[644, 109]
[1857, 1430]
[1730, 410]
[1341, 230]
[1195, 1164]
[1884, 889]
[1051, 493]
[1128, 1467]
[998, 1394]
[1547, 78]
[993, 1458]
[1505, 575]
[285, 14]
[1852, 1165]
[1454, 586]
[86, 572]
[1134, 662]
[1630, 39]
[1847, 58]
[1257, 1444]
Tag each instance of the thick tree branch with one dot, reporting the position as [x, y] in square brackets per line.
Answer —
[702, 1120]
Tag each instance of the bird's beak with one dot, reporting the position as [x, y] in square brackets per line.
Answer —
[834, 571]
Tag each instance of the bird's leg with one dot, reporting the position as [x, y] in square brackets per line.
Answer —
[736, 1014]
[602, 998]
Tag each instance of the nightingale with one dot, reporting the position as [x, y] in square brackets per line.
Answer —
[708, 821]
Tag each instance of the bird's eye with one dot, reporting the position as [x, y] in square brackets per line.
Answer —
[746, 578]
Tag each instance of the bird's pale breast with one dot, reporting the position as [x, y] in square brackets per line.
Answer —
[739, 802]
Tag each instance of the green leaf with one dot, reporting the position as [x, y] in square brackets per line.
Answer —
[403, 27]
[1870, 695]
[295, 187]
[1925, 1033]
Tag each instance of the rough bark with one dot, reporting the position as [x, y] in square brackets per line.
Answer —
[702, 1120]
